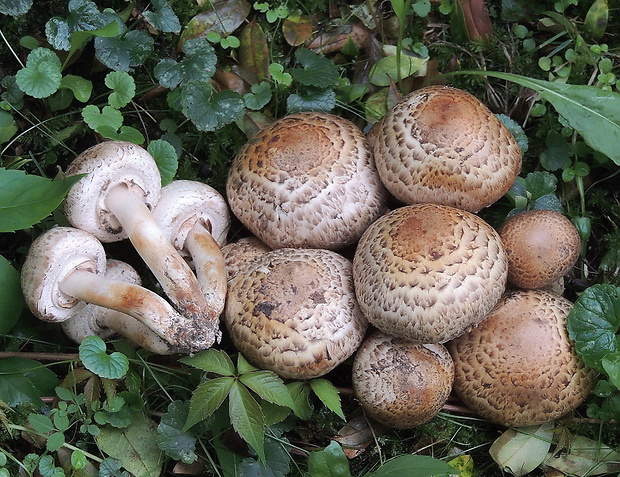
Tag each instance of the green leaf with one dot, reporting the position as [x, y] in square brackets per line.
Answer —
[410, 465]
[268, 386]
[329, 462]
[276, 71]
[328, 394]
[47, 468]
[135, 446]
[247, 418]
[244, 366]
[593, 324]
[165, 156]
[124, 52]
[198, 65]
[123, 86]
[113, 27]
[163, 17]
[277, 462]
[26, 199]
[592, 112]
[317, 70]
[40, 423]
[611, 365]
[55, 441]
[176, 443]
[516, 130]
[15, 8]
[94, 357]
[24, 380]
[80, 87]
[11, 298]
[207, 398]
[42, 75]
[8, 127]
[211, 360]
[300, 392]
[386, 70]
[125, 133]
[208, 112]
[520, 451]
[259, 97]
[323, 100]
[108, 116]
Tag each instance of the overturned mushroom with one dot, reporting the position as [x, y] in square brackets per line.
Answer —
[442, 145]
[400, 383]
[428, 272]
[518, 367]
[114, 201]
[65, 270]
[307, 180]
[293, 311]
[106, 322]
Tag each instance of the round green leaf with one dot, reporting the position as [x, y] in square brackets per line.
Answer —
[93, 355]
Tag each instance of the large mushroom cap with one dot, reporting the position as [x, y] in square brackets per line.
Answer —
[442, 145]
[518, 367]
[428, 272]
[541, 246]
[293, 311]
[107, 165]
[307, 180]
[401, 383]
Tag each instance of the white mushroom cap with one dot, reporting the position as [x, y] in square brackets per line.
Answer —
[429, 272]
[541, 245]
[400, 383]
[106, 323]
[242, 252]
[518, 367]
[306, 180]
[293, 311]
[442, 145]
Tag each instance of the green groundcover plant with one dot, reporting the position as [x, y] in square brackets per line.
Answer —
[192, 82]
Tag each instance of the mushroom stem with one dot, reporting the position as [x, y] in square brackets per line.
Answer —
[171, 270]
[131, 299]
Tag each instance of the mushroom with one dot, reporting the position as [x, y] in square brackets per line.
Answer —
[293, 311]
[195, 218]
[428, 272]
[401, 383]
[114, 201]
[442, 145]
[518, 367]
[306, 180]
[541, 246]
[106, 322]
[65, 270]
[241, 253]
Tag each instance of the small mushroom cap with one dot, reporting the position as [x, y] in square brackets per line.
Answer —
[182, 203]
[400, 383]
[293, 311]
[442, 145]
[241, 253]
[108, 164]
[541, 246]
[428, 272]
[52, 257]
[306, 180]
[518, 367]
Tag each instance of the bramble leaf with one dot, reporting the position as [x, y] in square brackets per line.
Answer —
[94, 357]
[42, 75]
[123, 88]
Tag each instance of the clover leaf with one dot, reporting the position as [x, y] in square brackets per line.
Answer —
[42, 75]
[94, 357]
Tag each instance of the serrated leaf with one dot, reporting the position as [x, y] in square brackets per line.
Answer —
[123, 87]
[11, 298]
[165, 156]
[94, 357]
[211, 360]
[329, 462]
[26, 199]
[520, 451]
[163, 17]
[210, 112]
[247, 418]
[42, 75]
[55, 441]
[176, 443]
[414, 466]
[80, 87]
[323, 100]
[586, 457]
[268, 386]
[317, 71]
[24, 380]
[300, 392]
[124, 52]
[40, 423]
[328, 394]
[135, 446]
[15, 8]
[207, 398]
[96, 118]
[593, 324]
